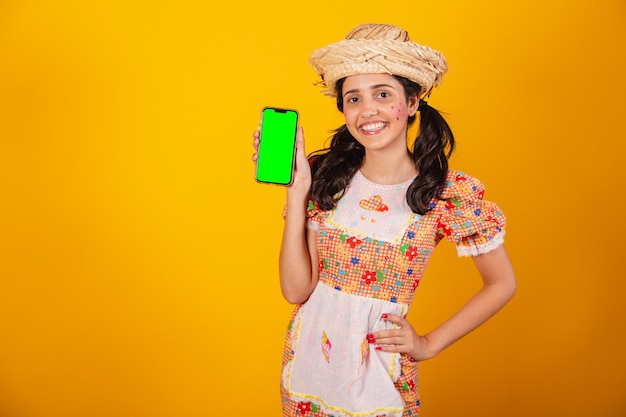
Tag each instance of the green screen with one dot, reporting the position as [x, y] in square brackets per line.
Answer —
[277, 146]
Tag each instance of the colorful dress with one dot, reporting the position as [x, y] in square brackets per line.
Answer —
[372, 254]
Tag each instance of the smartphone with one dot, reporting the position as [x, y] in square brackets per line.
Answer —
[277, 146]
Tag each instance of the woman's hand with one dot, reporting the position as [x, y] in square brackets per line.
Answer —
[302, 174]
[302, 171]
[255, 145]
[403, 339]
[498, 288]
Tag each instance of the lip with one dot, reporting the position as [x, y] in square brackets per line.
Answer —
[378, 126]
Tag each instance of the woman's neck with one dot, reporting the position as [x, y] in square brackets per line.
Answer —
[386, 169]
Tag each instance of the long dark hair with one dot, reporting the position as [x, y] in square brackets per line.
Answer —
[334, 166]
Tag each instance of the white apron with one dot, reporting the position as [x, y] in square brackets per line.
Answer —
[334, 365]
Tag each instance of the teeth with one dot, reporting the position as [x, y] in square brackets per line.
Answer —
[373, 126]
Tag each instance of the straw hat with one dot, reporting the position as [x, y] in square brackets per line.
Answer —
[379, 48]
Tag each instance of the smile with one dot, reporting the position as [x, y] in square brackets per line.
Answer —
[371, 127]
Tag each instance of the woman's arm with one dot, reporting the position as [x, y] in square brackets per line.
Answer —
[298, 269]
[298, 261]
[498, 288]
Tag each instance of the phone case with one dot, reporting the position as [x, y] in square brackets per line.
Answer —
[277, 146]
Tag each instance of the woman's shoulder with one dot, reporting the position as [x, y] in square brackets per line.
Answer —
[461, 185]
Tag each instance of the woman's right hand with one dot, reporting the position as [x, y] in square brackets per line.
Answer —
[255, 144]
[302, 171]
[302, 174]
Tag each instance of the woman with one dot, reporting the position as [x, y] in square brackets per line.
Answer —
[361, 221]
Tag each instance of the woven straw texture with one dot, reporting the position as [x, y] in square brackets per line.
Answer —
[376, 49]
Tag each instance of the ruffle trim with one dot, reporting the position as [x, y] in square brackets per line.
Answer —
[475, 250]
[313, 225]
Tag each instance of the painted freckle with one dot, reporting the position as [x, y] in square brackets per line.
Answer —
[400, 114]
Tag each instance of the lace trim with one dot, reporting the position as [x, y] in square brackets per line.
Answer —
[475, 250]
[310, 224]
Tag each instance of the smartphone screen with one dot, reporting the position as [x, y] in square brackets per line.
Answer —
[277, 146]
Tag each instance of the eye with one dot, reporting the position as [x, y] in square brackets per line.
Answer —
[352, 99]
[384, 94]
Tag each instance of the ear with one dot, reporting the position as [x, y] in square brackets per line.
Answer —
[412, 104]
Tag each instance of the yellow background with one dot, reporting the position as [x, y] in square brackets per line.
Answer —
[138, 256]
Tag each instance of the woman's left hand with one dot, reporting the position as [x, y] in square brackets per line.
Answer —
[403, 339]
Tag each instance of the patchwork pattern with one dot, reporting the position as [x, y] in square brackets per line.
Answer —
[326, 345]
[365, 349]
[374, 203]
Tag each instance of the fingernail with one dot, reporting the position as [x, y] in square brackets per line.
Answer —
[372, 340]
[383, 315]
[370, 336]
[378, 348]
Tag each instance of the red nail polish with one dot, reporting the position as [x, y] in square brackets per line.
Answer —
[383, 315]
[379, 348]
[370, 336]
[372, 340]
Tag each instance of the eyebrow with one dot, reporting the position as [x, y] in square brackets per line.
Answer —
[374, 87]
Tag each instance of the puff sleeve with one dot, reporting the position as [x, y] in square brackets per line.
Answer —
[476, 226]
[313, 215]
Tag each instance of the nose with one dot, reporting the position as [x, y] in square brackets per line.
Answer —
[369, 108]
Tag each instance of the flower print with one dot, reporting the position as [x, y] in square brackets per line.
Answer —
[313, 207]
[481, 194]
[441, 227]
[353, 242]
[460, 177]
[342, 251]
[410, 235]
[354, 260]
[369, 277]
[409, 386]
[379, 275]
[492, 219]
[477, 212]
[416, 283]
[401, 261]
[304, 408]
[411, 253]
[452, 203]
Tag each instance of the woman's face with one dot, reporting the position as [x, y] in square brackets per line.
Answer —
[376, 111]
